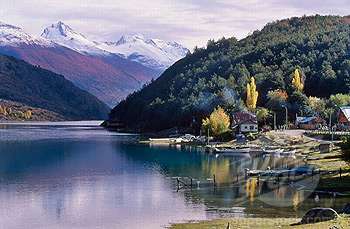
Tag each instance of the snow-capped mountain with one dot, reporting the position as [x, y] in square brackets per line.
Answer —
[153, 53]
[64, 35]
[61, 50]
[108, 70]
[15, 36]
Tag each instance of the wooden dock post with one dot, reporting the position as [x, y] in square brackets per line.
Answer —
[214, 180]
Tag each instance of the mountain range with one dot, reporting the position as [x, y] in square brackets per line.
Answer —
[108, 70]
[319, 46]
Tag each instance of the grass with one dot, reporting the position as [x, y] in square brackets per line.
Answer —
[328, 161]
[331, 161]
[263, 223]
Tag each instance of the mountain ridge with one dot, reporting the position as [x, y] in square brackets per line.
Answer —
[36, 87]
[153, 53]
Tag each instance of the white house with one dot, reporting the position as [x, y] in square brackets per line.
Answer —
[244, 122]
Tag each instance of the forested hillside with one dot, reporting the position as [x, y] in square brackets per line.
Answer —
[319, 46]
[33, 86]
[13, 111]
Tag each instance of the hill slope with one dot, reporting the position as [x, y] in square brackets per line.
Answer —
[36, 87]
[13, 111]
[319, 45]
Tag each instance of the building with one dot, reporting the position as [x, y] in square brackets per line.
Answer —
[309, 123]
[244, 122]
[344, 116]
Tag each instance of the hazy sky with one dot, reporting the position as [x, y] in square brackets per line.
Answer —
[190, 22]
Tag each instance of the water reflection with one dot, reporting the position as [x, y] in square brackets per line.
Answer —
[88, 178]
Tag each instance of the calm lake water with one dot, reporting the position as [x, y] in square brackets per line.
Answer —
[78, 175]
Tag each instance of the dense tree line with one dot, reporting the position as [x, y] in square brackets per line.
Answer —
[318, 46]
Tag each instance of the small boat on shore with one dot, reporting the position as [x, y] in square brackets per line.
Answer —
[279, 153]
[273, 151]
[233, 151]
[290, 153]
[166, 140]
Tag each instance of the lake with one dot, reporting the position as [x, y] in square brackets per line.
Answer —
[78, 175]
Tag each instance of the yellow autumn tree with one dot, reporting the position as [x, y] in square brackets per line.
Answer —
[252, 94]
[297, 81]
[3, 110]
[218, 122]
[27, 114]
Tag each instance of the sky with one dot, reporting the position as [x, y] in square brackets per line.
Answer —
[189, 22]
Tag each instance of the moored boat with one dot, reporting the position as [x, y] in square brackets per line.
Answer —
[232, 150]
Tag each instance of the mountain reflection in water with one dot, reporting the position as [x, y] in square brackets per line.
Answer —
[82, 176]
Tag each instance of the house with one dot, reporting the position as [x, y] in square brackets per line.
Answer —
[244, 122]
[309, 122]
[344, 118]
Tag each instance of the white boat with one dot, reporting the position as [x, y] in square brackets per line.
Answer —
[166, 140]
[280, 153]
[274, 152]
[232, 150]
[290, 153]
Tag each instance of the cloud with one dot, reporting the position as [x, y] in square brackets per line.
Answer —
[191, 22]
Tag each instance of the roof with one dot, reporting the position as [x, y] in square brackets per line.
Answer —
[346, 111]
[240, 117]
[301, 119]
[306, 119]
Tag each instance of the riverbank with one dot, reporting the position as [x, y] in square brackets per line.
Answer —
[333, 162]
[264, 223]
[308, 148]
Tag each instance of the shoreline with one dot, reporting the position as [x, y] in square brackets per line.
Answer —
[306, 148]
[262, 223]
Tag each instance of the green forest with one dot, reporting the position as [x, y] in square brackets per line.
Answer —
[317, 46]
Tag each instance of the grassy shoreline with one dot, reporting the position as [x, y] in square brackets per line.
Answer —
[308, 148]
[263, 223]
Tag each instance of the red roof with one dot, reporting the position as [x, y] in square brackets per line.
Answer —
[243, 117]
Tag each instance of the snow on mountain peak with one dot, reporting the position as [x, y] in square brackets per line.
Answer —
[14, 36]
[130, 39]
[154, 53]
[64, 35]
